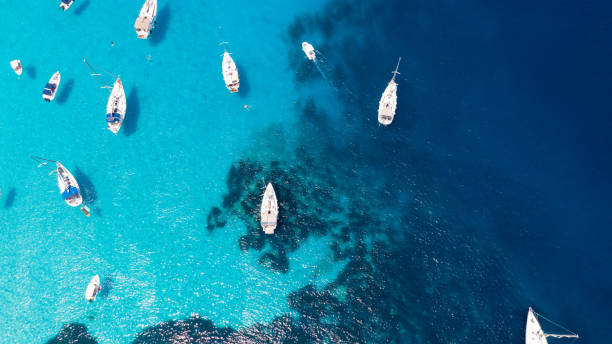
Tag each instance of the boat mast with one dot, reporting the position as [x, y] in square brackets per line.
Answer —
[94, 73]
[395, 72]
[43, 162]
[561, 335]
[572, 335]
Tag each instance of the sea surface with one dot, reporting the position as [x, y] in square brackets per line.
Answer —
[488, 194]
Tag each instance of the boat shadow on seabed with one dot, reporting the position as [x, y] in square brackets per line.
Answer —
[161, 25]
[88, 191]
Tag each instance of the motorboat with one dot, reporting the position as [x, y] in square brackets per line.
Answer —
[51, 87]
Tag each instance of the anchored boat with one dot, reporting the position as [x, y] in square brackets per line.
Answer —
[68, 186]
[309, 51]
[51, 87]
[115, 108]
[93, 288]
[534, 333]
[16, 65]
[230, 73]
[146, 19]
[388, 100]
[65, 4]
[269, 210]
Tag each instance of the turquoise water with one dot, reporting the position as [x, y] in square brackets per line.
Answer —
[151, 186]
[488, 194]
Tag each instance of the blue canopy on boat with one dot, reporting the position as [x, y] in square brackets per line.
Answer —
[47, 91]
[113, 118]
[66, 1]
[71, 191]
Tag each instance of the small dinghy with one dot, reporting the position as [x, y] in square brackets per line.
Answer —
[269, 210]
[93, 288]
[68, 186]
[65, 4]
[51, 87]
[230, 73]
[388, 100]
[146, 19]
[16, 65]
[534, 333]
[115, 108]
[309, 51]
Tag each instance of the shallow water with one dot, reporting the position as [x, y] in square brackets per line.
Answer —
[486, 195]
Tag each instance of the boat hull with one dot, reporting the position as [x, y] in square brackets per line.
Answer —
[116, 107]
[388, 104]
[309, 51]
[93, 288]
[230, 73]
[50, 89]
[16, 65]
[269, 210]
[68, 186]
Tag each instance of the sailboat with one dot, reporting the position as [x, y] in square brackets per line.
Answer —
[269, 210]
[388, 100]
[146, 19]
[115, 108]
[16, 65]
[534, 333]
[93, 288]
[309, 51]
[65, 4]
[51, 87]
[230, 73]
[68, 186]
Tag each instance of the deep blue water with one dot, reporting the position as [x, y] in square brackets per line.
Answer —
[488, 194]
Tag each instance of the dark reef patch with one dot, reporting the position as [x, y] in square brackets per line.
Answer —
[73, 333]
[192, 330]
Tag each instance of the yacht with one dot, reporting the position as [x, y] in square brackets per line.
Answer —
[230, 73]
[269, 210]
[388, 100]
[68, 186]
[146, 19]
[115, 108]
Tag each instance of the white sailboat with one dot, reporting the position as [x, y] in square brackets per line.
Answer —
[116, 106]
[534, 333]
[93, 288]
[68, 186]
[309, 51]
[16, 65]
[51, 87]
[65, 4]
[388, 100]
[146, 19]
[269, 210]
[230, 73]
